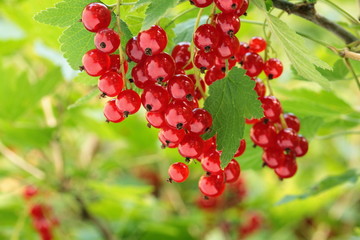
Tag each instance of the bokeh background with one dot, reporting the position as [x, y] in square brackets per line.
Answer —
[51, 120]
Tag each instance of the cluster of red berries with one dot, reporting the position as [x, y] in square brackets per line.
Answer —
[102, 61]
[41, 214]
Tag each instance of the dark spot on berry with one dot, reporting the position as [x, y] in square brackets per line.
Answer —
[271, 76]
[207, 130]
[207, 49]
[103, 95]
[148, 51]
[266, 120]
[179, 126]
[148, 107]
[241, 63]
[234, 6]
[131, 80]
[81, 68]
[264, 165]
[208, 173]
[202, 69]
[128, 60]
[163, 146]
[169, 180]
[126, 114]
[160, 79]
[189, 97]
[103, 45]
[206, 197]
[80, 20]
[231, 33]
[254, 146]
[148, 125]
[232, 57]
[223, 69]
[191, 2]
[187, 160]
[107, 121]
[167, 142]
[245, 14]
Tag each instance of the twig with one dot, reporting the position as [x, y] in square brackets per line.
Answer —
[308, 12]
[350, 67]
[180, 15]
[86, 215]
[20, 162]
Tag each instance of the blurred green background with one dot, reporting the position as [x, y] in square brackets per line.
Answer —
[53, 137]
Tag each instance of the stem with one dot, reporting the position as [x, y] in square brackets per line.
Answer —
[350, 67]
[192, 52]
[86, 215]
[178, 16]
[344, 13]
[269, 87]
[308, 12]
[121, 54]
[19, 225]
[20, 162]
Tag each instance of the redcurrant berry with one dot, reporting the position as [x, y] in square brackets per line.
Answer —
[152, 41]
[95, 62]
[232, 171]
[213, 75]
[260, 87]
[206, 37]
[201, 121]
[139, 76]
[133, 51]
[173, 135]
[181, 87]
[302, 147]
[201, 3]
[288, 168]
[107, 40]
[177, 114]
[257, 44]
[128, 102]
[160, 67]
[115, 63]
[29, 192]
[253, 63]
[228, 6]
[242, 50]
[96, 16]
[228, 23]
[211, 162]
[111, 83]
[292, 121]
[181, 55]
[241, 148]
[287, 139]
[156, 119]
[191, 146]
[263, 134]
[112, 113]
[272, 107]
[273, 157]
[228, 47]
[155, 98]
[204, 60]
[273, 68]
[178, 172]
[213, 185]
[242, 10]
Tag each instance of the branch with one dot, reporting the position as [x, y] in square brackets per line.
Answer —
[308, 12]
[86, 215]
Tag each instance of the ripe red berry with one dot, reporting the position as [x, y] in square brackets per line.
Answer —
[263, 134]
[107, 40]
[241, 148]
[292, 121]
[242, 50]
[213, 185]
[302, 147]
[133, 51]
[95, 62]
[211, 162]
[232, 171]
[172, 135]
[273, 68]
[156, 119]
[128, 102]
[160, 67]
[287, 139]
[112, 113]
[206, 37]
[273, 157]
[209, 147]
[253, 63]
[200, 122]
[178, 114]
[181, 55]
[191, 146]
[228, 23]
[272, 107]
[111, 83]
[178, 172]
[96, 16]
[208, 203]
[228, 6]
[166, 143]
[152, 41]
[201, 3]
[204, 60]
[213, 75]
[139, 76]
[29, 192]
[257, 44]
[260, 87]
[221, 62]
[181, 87]
[228, 47]
[242, 10]
[37, 211]
[115, 63]
[155, 98]
[288, 168]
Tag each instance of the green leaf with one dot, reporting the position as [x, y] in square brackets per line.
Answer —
[268, 4]
[156, 10]
[140, 3]
[310, 125]
[84, 78]
[126, 33]
[295, 49]
[75, 42]
[231, 100]
[168, 26]
[184, 30]
[324, 185]
[84, 99]
[63, 14]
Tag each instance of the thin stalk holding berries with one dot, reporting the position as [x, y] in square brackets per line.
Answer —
[121, 54]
